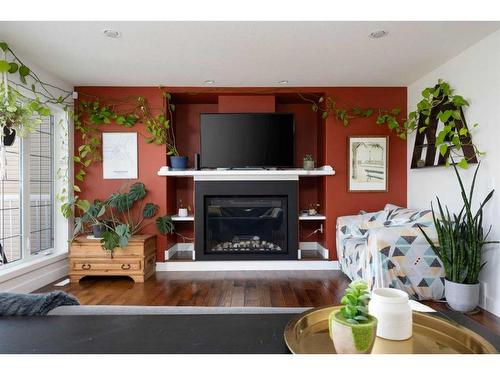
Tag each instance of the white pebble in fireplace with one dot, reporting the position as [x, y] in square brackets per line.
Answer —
[255, 244]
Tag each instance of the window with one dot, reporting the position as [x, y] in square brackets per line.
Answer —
[34, 215]
[10, 206]
[41, 187]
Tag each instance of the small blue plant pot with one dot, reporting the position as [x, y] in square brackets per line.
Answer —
[178, 163]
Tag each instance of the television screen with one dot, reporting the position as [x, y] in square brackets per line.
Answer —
[246, 140]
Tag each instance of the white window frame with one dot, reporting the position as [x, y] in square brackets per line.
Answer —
[61, 225]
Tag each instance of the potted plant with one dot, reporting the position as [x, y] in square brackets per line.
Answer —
[119, 217]
[177, 161]
[313, 209]
[94, 217]
[183, 210]
[352, 329]
[18, 115]
[461, 240]
[308, 162]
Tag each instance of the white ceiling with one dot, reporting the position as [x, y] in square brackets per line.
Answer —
[241, 53]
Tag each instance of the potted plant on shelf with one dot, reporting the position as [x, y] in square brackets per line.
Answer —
[461, 240]
[177, 162]
[352, 329]
[183, 210]
[94, 216]
[308, 162]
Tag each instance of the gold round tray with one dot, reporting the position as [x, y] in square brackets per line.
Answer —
[308, 334]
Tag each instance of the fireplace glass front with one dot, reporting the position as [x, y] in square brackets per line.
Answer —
[245, 224]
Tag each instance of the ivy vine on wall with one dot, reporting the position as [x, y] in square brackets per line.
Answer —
[450, 140]
[327, 106]
[91, 115]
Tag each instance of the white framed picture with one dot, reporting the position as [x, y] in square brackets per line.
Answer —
[368, 163]
[119, 155]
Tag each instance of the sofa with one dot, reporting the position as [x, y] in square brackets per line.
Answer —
[388, 250]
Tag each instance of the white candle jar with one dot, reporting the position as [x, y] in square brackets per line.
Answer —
[392, 309]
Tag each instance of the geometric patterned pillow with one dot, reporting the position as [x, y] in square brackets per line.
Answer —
[401, 216]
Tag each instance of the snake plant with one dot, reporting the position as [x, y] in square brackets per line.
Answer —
[461, 237]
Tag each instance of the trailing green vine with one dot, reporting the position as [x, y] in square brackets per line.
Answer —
[449, 141]
[90, 116]
[25, 99]
[327, 106]
[452, 138]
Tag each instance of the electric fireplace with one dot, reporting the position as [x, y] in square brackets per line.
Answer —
[246, 220]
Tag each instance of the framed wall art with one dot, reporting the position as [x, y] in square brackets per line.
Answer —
[368, 159]
[119, 155]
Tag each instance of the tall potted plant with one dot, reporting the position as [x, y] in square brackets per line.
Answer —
[461, 239]
[177, 161]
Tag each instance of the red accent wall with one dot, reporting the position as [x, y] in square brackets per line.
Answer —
[150, 157]
[326, 140]
[339, 202]
[246, 103]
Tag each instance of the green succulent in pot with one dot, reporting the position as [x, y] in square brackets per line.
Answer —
[352, 329]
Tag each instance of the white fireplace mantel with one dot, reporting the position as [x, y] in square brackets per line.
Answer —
[247, 174]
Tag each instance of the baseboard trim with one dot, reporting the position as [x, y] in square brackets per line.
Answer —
[181, 246]
[312, 246]
[36, 278]
[249, 265]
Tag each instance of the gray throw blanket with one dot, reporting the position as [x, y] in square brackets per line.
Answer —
[33, 304]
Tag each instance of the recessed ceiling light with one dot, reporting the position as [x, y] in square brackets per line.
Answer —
[283, 82]
[378, 34]
[110, 33]
[209, 81]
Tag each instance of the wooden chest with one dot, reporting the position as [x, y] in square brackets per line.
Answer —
[137, 260]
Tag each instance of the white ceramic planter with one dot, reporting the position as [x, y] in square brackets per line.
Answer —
[392, 309]
[461, 297]
[183, 212]
[308, 164]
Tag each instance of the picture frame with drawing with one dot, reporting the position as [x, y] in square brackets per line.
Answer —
[119, 155]
[368, 164]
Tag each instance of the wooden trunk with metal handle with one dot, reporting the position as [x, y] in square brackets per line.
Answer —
[137, 260]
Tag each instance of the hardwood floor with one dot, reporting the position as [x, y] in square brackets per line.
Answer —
[228, 288]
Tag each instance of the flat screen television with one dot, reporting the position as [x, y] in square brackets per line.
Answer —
[247, 140]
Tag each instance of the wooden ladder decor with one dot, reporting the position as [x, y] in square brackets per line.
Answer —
[427, 139]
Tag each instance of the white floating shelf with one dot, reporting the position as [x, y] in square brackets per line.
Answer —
[247, 173]
[312, 217]
[182, 218]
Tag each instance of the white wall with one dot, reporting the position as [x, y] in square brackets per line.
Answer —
[474, 74]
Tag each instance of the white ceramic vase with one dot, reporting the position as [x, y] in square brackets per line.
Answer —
[183, 212]
[461, 297]
[392, 309]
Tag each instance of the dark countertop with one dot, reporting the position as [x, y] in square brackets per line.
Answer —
[175, 334]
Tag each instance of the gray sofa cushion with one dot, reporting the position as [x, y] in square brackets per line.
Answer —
[170, 310]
